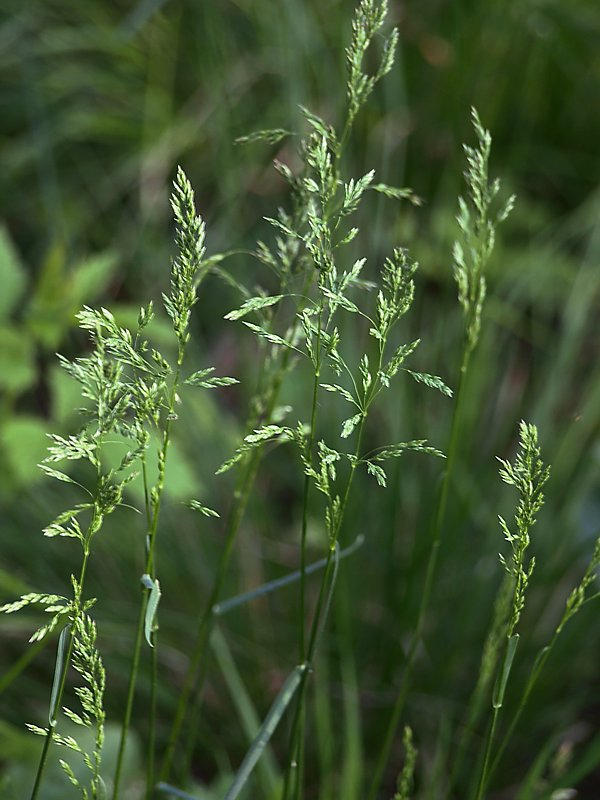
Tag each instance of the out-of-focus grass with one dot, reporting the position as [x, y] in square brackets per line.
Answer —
[100, 101]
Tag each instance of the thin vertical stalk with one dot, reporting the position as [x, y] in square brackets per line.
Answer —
[402, 694]
[150, 569]
[483, 779]
[306, 494]
[130, 691]
[297, 734]
[192, 683]
[194, 680]
[152, 724]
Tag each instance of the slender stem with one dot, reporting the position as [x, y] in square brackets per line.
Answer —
[302, 688]
[394, 721]
[297, 735]
[130, 692]
[193, 681]
[42, 764]
[486, 759]
[152, 514]
[298, 743]
[152, 724]
[306, 493]
[204, 626]
[531, 681]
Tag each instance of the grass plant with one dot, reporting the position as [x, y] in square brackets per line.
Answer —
[327, 420]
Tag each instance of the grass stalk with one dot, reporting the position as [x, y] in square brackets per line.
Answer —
[528, 475]
[149, 569]
[483, 778]
[436, 539]
[192, 684]
[194, 678]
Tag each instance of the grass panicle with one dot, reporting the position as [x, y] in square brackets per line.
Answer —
[528, 475]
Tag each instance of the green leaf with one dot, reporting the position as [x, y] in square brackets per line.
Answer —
[271, 337]
[13, 276]
[200, 379]
[324, 130]
[396, 450]
[151, 607]
[59, 669]
[217, 381]
[253, 304]
[338, 299]
[400, 355]
[335, 387]
[17, 360]
[55, 473]
[503, 675]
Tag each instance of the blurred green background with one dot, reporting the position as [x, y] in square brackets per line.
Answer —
[100, 102]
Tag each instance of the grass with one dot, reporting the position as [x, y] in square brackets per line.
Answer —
[408, 630]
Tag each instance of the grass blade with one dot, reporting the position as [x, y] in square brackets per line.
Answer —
[267, 729]
[59, 669]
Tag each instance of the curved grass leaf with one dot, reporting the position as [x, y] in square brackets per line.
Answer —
[152, 606]
[507, 661]
[267, 729]
[59, 669]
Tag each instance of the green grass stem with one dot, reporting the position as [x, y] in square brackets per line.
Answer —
[149, 569]
[436, 539]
